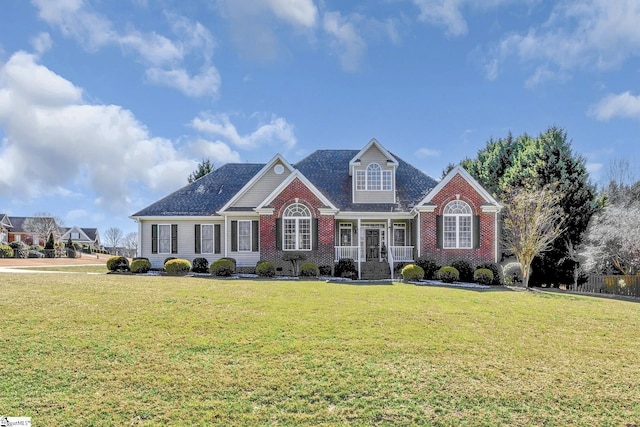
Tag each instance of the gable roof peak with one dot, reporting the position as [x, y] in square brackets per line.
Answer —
[374, 142]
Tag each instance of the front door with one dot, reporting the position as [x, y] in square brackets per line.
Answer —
[373, 245]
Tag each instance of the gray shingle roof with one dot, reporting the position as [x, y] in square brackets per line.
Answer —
[206, 195]
[328, 170]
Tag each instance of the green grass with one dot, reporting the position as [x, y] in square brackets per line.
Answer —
[154, 351]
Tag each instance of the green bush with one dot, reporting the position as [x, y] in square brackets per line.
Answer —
[325, 270]
[309, 269]
[177, 267]
[346, 267]
[448, 274]
[233, 262]
[222, 268]
[465, 270]
[167, 259]
[200, 265]
[20, 249]
[495, 269]
[118, 263]
[35, 254]
[265, 269]
[6, 251]
[140, 266]
[429, 266]
[412, 273]
[483, 276]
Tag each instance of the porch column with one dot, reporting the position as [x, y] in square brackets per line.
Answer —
[359, 234]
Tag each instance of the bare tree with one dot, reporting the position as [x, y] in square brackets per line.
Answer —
[113, 237]
[131, 242]
[533, 219]
[613, 242]
[43, 224]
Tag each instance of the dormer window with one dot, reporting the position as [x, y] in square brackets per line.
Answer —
[373, 179]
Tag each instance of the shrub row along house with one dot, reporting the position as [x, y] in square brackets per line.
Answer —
[367, 205]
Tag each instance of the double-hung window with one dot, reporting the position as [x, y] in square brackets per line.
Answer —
[164, 238]
[399, 234]
[374, 179]
[244, 236]
[457, 225]
[206, 238]
[296, 222]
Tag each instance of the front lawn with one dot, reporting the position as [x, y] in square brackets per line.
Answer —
[110, 350]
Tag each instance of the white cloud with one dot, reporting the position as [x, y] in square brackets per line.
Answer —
[207, 82]
[443, 13]
[275, 132]
[163, 56]
[218, 152]
[593, 34]
[622, 105]
[346, 40]
[297, 12]
[55, 141]
[427, 152]
[41, 43]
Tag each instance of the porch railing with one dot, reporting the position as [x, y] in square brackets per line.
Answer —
[343, 252]
[402, 253]
[399, 253]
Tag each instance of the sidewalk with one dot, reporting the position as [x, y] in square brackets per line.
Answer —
[85, 259]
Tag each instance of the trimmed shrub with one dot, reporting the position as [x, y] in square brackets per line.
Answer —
[233, 262]
[429, 267]
[325, 270]
[484, 276]
[177, 267]
[140, 266]
[412, 273]
[346, 267]
[200, 265]
[167, 259]
[20, 249]
[309, 269]
[222, 268]
[495, 269]
[448, 274]
[465, 270]
[118, 263]
[265, 269]
[35, 254]
[6, 251]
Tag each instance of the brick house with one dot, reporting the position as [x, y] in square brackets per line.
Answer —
[367, 205]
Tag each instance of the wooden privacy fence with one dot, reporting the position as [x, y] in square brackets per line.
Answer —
[611, 284]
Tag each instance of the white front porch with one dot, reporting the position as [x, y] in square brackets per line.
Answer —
[397, 254]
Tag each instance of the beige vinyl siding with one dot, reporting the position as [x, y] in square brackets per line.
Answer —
[186, 242]
[243, 259]
[262, 188]
[374, 155]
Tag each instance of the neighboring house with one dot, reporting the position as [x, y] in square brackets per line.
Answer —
[367, 205]
[84, 236]
[18, 233]
[5, 226]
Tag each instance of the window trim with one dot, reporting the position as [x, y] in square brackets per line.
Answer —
[249, 235]
[367, 181]
[202, 239]
[449, 212]
[297, 220]
[160, 226]
[400, 226]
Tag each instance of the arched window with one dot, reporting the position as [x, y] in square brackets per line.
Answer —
[457, 225]
[296, 221]
[374, 177]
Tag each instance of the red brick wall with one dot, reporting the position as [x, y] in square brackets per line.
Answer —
[326, 228]
[485, 253]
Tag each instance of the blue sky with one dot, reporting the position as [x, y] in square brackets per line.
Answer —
[105, 107]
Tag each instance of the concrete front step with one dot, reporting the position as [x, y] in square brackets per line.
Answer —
[373, 270]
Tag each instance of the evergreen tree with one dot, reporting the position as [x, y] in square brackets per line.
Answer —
[533, 163]
[204, 167]
[51, 244]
